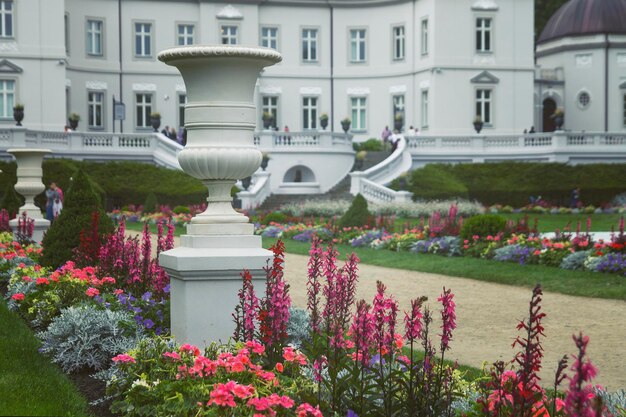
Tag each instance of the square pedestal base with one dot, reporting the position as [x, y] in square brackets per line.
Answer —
[205, 276]
[41, 227]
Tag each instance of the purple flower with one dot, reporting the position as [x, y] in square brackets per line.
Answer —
[351, 414]
[148, 324]
[146, 296]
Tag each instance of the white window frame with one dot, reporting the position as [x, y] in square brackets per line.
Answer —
[92, 109]
[91, 38]
[146, 109]
[484, 105]
[5, 93]
[357, 45]
[312, 112]
[358, 113]
[181, 109]
[227, 37]
[484, 33]
[270, 107]
[424, 36]
[187, 37]
[310, 41]
[398, 36]
[396, 106]
[424, 109]
[143, 36]
[7, 14]
[268, 39]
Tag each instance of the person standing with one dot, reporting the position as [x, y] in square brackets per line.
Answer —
[52, 196]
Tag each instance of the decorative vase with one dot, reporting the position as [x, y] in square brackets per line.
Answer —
[245, 183]
[478, 126]
[18, 115]
[397, 124]
[29, 184]
[220, 118]
[324, 123]
[155, 122]
[267, 122]
[345, 126]
[73, 123]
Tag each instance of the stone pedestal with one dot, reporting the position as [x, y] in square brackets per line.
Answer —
[220, 118]
[29, 184]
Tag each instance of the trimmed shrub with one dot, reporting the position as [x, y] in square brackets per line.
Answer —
[372, 145]
[275, 217]
[64, 233]
[88, 337]
[12, 201]
[357, 214]
[483, 225]
[435, 182]
[150, 205]
[181, 210]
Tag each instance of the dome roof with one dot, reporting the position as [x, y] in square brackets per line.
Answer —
[586, 17]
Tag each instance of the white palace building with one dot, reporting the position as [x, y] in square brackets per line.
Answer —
[436, 63]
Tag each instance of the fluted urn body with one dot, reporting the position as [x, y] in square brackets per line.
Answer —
[220, 118]
[29, 178]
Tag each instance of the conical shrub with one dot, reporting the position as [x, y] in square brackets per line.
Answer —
[358, 213]
[64, 233]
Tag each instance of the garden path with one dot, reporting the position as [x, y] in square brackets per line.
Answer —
[487, 314]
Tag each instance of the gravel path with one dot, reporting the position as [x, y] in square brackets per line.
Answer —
[488, 313]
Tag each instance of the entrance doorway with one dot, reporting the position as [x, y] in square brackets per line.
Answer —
[549, 106]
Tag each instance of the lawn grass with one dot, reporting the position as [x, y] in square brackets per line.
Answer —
[30, 385]
[580, 283]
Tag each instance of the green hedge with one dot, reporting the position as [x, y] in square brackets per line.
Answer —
[513, 183]
[118, 183]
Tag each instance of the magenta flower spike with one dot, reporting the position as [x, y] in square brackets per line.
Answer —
[448, 317]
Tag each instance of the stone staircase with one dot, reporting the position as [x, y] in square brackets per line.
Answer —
[341, 191]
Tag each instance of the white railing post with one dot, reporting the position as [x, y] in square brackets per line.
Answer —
[355, 182]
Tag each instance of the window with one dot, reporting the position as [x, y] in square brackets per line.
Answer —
[143, 109]
[143, 39]
[483, 105]
[94, 37]
[185, 35]
[229, 35]
[425, 37]
[583, 99]
[624, 109]
[358, 111]
[7, 98]
[357, 45]
[483, 34]
[6, 18]
[309, 113]
[269, 37]
[309, 45]
[66, 32]
[398, 42]
[398, 106]
[182, 100]
[424, 109]
[95, 101]
[270, 105]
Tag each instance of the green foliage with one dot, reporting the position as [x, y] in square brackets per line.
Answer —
[181, 210]
[275, 217]
[357, 214]
[512, 183]
[372, 145]
[544, 9]
[81, 201]
[150, 205]
[482, 225]
[436, 182]
[12, 201]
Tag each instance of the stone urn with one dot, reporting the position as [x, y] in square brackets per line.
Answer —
[478, 126]
[220, 118]
[29, 184]
[18, 115]
[345, 125]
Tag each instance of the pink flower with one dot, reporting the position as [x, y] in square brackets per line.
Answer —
[17, 296]
[172, 355]
[92, 292]
[187, 348]
[42, 281]
[221, 396]
[242, 391]
[124, 358]
[448, 317]
[306, 409]
[118, 292]
[27, 279]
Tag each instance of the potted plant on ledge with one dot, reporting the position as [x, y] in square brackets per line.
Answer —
[559, 118]
[265, 160]
[478, 124]
[324, 120]
[268, 120]
[73, 119]
[155, 120]
[345, 124]
[18, 114]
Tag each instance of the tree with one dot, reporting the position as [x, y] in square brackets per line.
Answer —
[544, 9]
